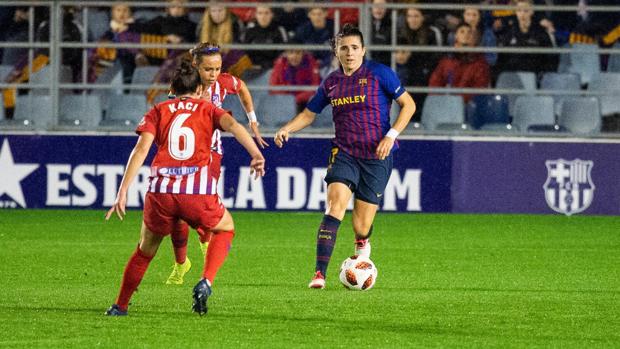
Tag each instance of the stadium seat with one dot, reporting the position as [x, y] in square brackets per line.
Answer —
[560, 81]
[145, 14]
[613, 65]
[488, 109]
[518, 80]
[125, 110]
[533, 113]
[581, 115]
[276, 110]
[4, 71]
[394, 111]
[609, 83]
[443, 112]
[44, 77]
[233, 104]
[33, 111]
[98, 23]
[143, 76]
[564, 61]
[324, 119]
[83, 111]
[585, 61]
[113, 76]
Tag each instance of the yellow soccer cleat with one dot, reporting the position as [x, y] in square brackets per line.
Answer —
[203, 248]
[178, 272]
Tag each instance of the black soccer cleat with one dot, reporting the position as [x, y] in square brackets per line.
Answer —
[115, 310]
[202, 291]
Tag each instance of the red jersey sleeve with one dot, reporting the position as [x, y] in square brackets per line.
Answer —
[149, 122]
[217, 114]
[230, 83]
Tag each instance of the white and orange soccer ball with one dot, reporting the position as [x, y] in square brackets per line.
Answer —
[358, 273]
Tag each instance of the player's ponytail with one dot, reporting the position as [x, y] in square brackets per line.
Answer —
[186, 79]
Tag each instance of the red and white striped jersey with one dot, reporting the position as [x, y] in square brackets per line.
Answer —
[182, 129]
[216, 93]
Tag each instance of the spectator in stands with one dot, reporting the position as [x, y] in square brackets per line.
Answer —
[296, 67]
[421, 64]
[318, 30]
[264, 31]
[347, 14]
[381, 31]
[289, 17]
[15, 29]
[526, 33]
[462, 69]
[482, 35]
[244, 14]
[403, 67]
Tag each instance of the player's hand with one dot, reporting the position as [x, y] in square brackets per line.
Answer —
[281, 137]
[257, 166]
[384, 147]
[259, 140]
[118, 207]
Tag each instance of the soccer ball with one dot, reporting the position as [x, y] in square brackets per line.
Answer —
[358, 273]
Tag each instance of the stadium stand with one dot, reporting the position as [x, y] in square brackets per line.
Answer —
[608, 83]
[443, 112]
[581, 115]
[488, 109]
[81, 111]
[125, 110]
[533, 113]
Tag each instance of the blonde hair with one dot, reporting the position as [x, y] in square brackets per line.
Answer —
[221, 33]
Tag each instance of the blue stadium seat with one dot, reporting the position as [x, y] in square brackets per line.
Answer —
[585, 61]
[33, 111]
[443, 112]
[143, 76]
[125, 111]
[83, 111]
[98, 23]
[325, 118]
[488, 109]
[581, 115]
[518, 80]
[613, 65]
[533, 113]
[114, 76]
[4, 71]
[44, 77]
[609, 83]
[560, 81]
[276, 110]
[233, 104]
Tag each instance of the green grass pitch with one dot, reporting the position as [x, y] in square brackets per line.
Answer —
[444, 281]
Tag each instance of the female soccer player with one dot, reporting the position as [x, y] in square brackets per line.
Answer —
[181, 184]
[361, 157]
[207, 58]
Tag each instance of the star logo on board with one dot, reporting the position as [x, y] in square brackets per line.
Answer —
[11, 174]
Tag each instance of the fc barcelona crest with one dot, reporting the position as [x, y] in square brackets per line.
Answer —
[363, 82]
[569, 188]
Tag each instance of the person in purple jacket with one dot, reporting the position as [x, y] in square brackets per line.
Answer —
[360, 93]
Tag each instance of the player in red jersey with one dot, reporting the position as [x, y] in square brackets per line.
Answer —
[181, 183]
[207, 58]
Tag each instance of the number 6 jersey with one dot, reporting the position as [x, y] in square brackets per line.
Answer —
[183, 128]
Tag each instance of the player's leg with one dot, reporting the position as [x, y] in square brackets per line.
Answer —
[374, 175]
[182, 264]
[134, 270]
[203, 238]
[342, 175]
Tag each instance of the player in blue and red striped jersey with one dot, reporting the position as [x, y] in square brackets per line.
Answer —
[360, 93]
[181, 182]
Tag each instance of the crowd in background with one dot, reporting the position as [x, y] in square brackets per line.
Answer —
[315, 25]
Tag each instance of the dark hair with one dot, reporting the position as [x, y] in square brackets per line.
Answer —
[204, 49]
[347, 30]
[186, 79]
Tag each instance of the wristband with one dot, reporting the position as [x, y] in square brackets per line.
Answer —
[251, 116]
[392, 133]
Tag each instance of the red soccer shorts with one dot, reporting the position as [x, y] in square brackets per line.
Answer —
[162, 211]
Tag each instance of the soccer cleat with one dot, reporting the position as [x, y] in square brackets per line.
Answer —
[202, 291]
[115, 310]
[178, 272]
[204, 246]
[318, 281]
[362, 247]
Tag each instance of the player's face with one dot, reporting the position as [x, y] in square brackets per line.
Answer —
[415, 19]
[209, 68]
[263, 16]
[350, 52]
[471, 16]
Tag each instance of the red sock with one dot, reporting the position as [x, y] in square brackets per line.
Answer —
[179, 241]
[216, 254]
[134, 272]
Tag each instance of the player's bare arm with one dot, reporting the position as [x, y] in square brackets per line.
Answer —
[407, 108]
[299, 122]
[248, 105]
[136, 159]
[229, 124]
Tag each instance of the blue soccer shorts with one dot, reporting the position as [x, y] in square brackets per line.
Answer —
[367, 178]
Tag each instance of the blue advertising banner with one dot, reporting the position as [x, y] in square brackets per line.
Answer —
[464, 175]
[85, 171]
